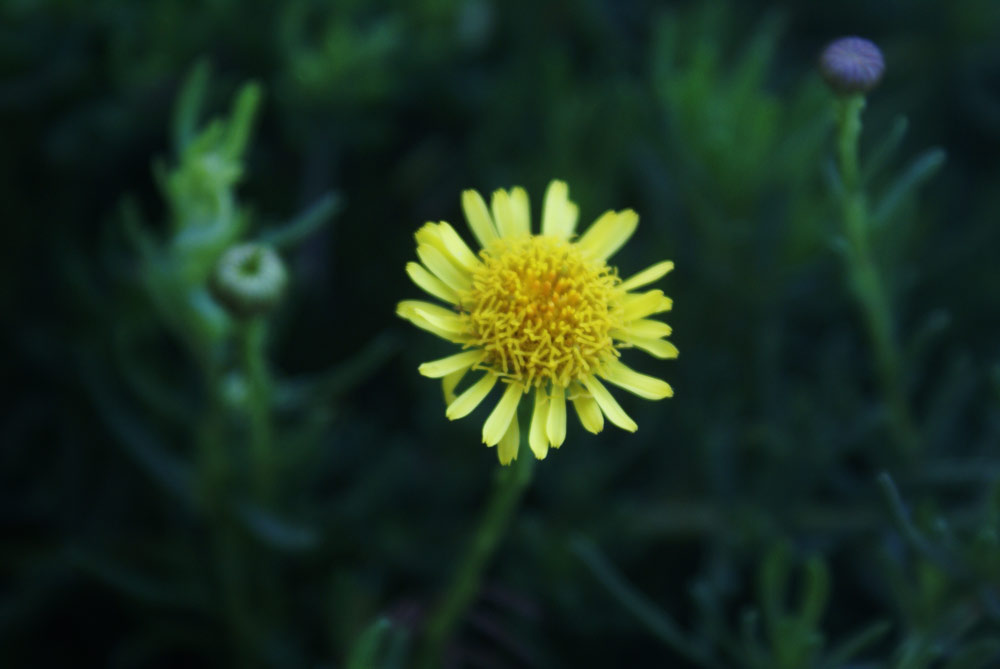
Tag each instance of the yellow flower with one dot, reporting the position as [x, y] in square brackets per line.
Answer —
[542, 313]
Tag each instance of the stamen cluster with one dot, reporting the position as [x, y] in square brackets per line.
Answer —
[542, 311]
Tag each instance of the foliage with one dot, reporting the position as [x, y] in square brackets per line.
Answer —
[183, 486]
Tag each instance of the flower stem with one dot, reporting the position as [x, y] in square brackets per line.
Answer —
[509, 487]
[254, 363]
[864, 277]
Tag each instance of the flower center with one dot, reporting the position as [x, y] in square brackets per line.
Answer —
[542, 311]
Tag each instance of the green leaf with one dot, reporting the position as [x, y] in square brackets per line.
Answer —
[816, 591]
[241, 122]
[920, 170]
[305, 224]
[847, 650]
[656, 621]
[977, 654]
[139, 443]
[881, 154]
[189, 105]
[275, 531]
[297, 393]
[365, 653]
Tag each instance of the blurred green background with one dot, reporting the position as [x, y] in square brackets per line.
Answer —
[763, 517]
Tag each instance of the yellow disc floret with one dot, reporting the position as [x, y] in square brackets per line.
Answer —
[542, 311]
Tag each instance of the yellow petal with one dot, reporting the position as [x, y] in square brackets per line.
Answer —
[642, 385]
[441, 318]
[659, 348]
[478, 217]
[555, 425]
[559, 214]
[609, 405]
[503, 213]
[537, 438]
[430, 283]
[465, 403]
[448, 384]
[415, 315]
[499, 420]
[521, 208]
[438, 263]
[608, 233]
[648, 329]
[589, 413]
[507, 451]
[453, 363]
[645, 304]
[648, 275]
[456, 247]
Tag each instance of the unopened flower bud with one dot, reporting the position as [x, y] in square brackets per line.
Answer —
[851, 65]
[249, 280]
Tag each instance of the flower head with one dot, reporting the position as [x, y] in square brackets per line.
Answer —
[851, 65]
[541, 315]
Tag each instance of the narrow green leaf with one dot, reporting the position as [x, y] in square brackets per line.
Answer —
[881, 154]
[140, 443]
[815, 590]
[847, 650]
[922, 169]
[189, 106]
[339, 380]
[977, 654]
[241, 122]
[305, 224]
[275, 531]
[653, 618]
[364, 654]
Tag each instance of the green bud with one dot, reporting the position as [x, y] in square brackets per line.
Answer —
[249, 280]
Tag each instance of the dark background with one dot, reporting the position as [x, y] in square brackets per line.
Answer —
[710, 120]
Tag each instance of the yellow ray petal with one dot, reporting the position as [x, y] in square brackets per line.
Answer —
[608, 233]
[444, 237]
[648, 275]
[408, 310]
[645, 304]
[589, 412]
[647, 329]
[478, 217]
[508, 224]
[559, 214]
[499, 420]
[430, 283]
[445, 319]
[642, 385]
[436, 262]
[656, 347]
[507, 451]
[609, 405]
[453, 363]
[521, 208]
[448, 384]
[555, 425]
[537, 438]
[465, 403]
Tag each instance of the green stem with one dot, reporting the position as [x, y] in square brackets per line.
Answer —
[215, 479]
[864, 276]
[254, 362]
[509, 487]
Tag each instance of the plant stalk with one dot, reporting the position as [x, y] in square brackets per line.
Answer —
[864, 277]
[508, 490]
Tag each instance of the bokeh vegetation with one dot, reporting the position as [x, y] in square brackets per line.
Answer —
[182, 487]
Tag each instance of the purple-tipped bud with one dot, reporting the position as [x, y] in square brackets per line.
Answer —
[851, 65]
